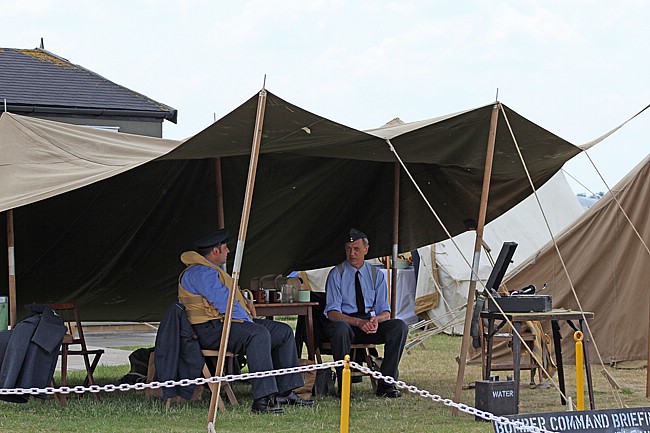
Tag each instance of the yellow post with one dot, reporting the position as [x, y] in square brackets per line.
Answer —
[345, 396]
[580, 379]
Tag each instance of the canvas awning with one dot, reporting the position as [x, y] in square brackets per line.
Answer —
[42, 159]
[316, 178]
[114, 245]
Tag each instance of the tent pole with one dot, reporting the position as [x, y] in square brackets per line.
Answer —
[12, 268]
[219, 189]
[393, 281]
[477, 253]
[239, 252]
[647, 379]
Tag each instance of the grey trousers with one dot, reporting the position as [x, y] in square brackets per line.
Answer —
[267, 344]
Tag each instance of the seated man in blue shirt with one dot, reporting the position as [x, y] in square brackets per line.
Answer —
[358, 311]
[268, 345]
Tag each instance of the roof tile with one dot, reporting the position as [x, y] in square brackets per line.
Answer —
[39, 78]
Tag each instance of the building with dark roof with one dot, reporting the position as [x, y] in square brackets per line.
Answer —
[41, 84]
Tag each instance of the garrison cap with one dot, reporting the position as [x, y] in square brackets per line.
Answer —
[212, 239]
[354, 235]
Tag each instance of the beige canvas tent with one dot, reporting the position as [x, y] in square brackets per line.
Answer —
[42, 158]
[608, 264]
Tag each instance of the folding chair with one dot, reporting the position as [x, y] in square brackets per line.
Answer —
[74, 338]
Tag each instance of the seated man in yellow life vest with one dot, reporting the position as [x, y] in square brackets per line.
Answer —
[268, 345]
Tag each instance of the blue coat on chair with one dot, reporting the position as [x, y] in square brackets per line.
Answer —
[177, 354]
[29, 352]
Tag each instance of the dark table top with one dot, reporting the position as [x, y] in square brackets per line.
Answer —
[554, 314]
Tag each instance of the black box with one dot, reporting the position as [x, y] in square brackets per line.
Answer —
[521, 304]
[495, 396]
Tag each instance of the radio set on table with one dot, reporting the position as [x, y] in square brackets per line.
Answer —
[521, 301]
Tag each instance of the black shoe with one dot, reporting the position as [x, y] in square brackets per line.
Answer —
[389, 392]
[293, 399]
[266, 405]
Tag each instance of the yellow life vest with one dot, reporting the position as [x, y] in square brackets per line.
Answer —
[199, 309]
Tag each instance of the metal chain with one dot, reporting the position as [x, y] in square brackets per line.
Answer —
[519, 426]
[260, 374]
[169, 383]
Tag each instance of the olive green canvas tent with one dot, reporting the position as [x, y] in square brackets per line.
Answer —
[114, 244]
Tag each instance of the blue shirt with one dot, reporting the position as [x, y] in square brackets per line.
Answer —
[341, 295]
[204, 281]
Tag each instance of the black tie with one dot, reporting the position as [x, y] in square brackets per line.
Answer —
[361, 306]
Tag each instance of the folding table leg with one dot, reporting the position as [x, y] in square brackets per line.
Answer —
[557, 342]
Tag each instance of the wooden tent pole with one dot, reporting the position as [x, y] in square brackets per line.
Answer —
[489, 156]
[12, 268]
[647, 379]
[221, 223]
[239, 252]
[393, 281]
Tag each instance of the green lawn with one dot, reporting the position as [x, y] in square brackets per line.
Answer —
[431, 367]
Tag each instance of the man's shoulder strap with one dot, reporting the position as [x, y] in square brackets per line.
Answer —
[339, 267]
[192, 258]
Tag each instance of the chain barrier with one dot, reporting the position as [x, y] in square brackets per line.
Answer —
[169, 383]
[518, 425]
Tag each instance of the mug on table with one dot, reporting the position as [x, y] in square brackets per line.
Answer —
[272, 296]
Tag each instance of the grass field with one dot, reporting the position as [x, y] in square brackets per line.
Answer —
[429, 367]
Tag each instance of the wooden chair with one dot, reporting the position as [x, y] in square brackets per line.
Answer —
[323, 347]
[157, 392]
[365, 353]
[209, 367]
[74, 343]
[211, 357]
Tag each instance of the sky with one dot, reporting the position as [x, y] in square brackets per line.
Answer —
[578, 68]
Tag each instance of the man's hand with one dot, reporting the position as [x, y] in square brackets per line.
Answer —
[369, 326]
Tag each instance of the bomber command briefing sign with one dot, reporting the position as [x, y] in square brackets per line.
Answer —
[628, 420]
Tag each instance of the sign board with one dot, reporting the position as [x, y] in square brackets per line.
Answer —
[628, 420]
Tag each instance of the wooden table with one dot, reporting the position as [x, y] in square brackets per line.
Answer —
[292, 309]
[554, 316]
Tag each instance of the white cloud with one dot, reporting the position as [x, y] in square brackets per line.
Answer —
[575, 68]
